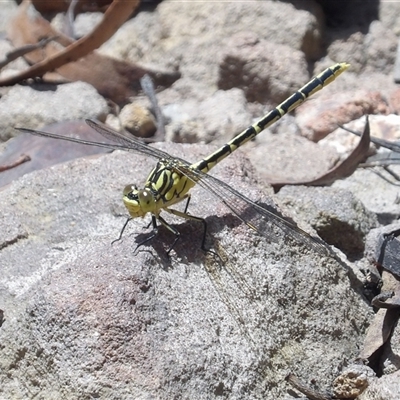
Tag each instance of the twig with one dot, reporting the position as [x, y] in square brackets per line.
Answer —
[148, 88]
[24, 158]
[306, 390]
[21, 51]
[118, 12]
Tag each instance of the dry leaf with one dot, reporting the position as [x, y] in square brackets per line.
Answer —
[343, 169]
[385, 319]
[76, 60]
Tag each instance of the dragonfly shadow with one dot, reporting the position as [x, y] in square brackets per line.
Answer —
[243, 289]
[188, 246]
[266, 220]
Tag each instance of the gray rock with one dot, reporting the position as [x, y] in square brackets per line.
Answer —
[387, 258]
[218, 117]
[290, 157]
[8, 9]
[381, 43]
[387, 387]
[264, 69]
[389, 15]
[28, 107]
[375, 50]
[84, 318]
[337, 215]
[13, 66]
[373, 239]
[217, 20]
[178, 28]
[375, 193]
[353, 381]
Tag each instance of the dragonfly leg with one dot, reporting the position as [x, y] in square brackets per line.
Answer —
[192, 217]
[122, 231]
[187, 203]
[153, 234]
[148, 225]
[171, 229]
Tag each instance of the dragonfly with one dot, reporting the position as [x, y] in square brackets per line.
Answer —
[172, 178]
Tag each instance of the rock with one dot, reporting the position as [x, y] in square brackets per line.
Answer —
[206, 26]
[219, 118]
[138, 120]
[13, 66]
[373, 51]
[28, 107]
[338, 216]
[381, 127]
[387, 387]
[385, 256]
[263, 69]
[381, 45]
[41, 152]
[84, 317]
[291, 158]
[317, 121]
[353, 381]
[389, 16]
[8, 8]
[374, 192]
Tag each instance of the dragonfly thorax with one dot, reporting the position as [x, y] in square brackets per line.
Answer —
[139, 201]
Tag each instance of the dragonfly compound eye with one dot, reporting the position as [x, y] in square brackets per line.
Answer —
[146, 200]
[131, 192]
[138, 202]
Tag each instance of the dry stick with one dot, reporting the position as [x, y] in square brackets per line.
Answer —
[21, 51]
[24, 158]
[148, 88]
[303, 388]
[69, 19]
[118, 12]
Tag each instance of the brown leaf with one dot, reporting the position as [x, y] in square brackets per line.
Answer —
[56, 6]
[115, 79]
[44, 152]
[388, 252]
[310, 392]
[385, 319]
[343, 169]
[14, 163]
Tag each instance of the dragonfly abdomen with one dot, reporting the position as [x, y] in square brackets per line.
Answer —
[316, 84]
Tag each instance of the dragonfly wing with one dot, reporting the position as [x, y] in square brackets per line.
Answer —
[266, 220]
[263, 220]
[127, 143]
[71, 139]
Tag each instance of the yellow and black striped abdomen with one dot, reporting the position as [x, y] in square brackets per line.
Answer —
[316, 84]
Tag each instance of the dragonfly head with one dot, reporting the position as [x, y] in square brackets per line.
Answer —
[138, 201]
